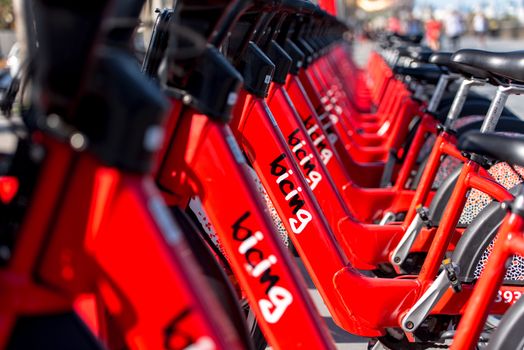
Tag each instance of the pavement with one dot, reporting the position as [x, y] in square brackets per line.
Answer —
[344, 340]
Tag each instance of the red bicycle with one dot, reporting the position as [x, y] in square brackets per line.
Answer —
[86, 216]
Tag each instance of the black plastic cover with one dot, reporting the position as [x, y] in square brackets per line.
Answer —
[63, 331]
[257, 70]
[63, 67]
[429, 74]
[508, 334]
[121, 111]
[306, 49]
[200, 22]
[296, 55]
[281, 60]
[158, 43]
[500, 147]
[213, 85]
[298, 6]
[122, 22]
[441, 198]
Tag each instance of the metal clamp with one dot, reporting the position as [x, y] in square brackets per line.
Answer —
[423, 212]
[460, 99]
[452, 270]
[497, 105]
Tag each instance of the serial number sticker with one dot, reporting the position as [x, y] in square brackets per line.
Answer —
[508, 296]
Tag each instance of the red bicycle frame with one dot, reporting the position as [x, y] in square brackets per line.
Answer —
[207, 167]
[377, 200]
[509, 242]
[375, 146]
[80, 212]
[385, 300]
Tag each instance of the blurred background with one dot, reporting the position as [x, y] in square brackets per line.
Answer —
[490, 24]
[493, 24]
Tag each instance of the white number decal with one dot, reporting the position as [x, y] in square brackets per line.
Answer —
[498, 299]
[508, 297]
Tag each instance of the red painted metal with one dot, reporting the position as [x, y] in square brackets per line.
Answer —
[8, 188]
[203, 159]
[316, 243]
[80, 211]
[329, 5]
[443, 146]
[483, 299]
[377, 200]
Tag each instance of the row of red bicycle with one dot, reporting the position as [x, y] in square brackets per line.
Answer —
[166, 206]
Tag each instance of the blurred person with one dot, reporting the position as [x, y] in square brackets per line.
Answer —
[480, 27]
[454, 26]
[413, 26]
[20, 29]
[18, 58]
[394, 25]
[493, 27]
[433, 33]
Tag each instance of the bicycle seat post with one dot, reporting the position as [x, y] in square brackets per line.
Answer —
[439, 91]
[460, 99]
[497, 105]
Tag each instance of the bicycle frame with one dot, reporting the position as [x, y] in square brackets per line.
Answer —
[324, 262]
[394, 199]
[469, 178]
[210, 163]
[307, 92]
[378, 200]
[397, 103]
[366, 234]
[509, 242]
[365, 246]
[201, 157]
[81, 210]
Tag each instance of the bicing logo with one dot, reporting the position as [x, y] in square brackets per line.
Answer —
[259, 266]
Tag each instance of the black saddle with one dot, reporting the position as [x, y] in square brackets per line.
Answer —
[445, 60]
[421, 54]
[409, 39]
[505, 65]
[428, 74]
[442, 59]
[506, 148]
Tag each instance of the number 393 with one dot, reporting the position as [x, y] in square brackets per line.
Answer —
[508, 296]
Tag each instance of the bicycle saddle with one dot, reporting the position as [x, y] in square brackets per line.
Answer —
[428, 74]
[410, 39]
[442, 59]
[445, 59]
[421, 54]
[508, 65]
[501, 147]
